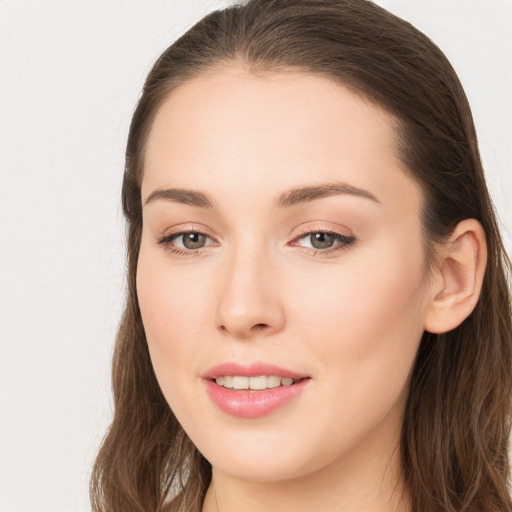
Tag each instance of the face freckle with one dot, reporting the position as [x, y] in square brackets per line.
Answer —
[329, 286]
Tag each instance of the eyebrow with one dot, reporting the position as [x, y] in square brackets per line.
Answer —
[287, 199]
[310, 193]
[180, 195]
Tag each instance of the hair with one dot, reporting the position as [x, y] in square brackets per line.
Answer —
[454, 438]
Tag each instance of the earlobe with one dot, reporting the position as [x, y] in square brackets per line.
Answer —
[460, 271]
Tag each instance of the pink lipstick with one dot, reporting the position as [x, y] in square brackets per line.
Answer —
[252, 391]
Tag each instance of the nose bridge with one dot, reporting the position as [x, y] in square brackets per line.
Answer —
[248, 300]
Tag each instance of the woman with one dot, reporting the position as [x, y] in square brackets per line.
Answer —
[317, 316]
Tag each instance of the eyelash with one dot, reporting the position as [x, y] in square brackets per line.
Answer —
[342, 242]
[167, 242]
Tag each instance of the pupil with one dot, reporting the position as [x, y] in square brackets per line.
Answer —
[193, 240]
[322, 240]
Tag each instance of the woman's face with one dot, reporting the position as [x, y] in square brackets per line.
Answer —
[281, 241]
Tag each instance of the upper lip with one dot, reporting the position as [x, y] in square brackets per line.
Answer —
[251, 370]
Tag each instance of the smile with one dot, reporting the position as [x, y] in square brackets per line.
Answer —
[255, 390]
[240, 382]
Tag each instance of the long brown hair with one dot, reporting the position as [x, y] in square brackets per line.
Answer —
[457, 418]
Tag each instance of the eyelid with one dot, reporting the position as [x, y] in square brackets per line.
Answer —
[167, 237]
[319, 227]
[345, 235]
[186, 228]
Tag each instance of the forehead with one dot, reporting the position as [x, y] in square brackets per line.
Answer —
[230, 127]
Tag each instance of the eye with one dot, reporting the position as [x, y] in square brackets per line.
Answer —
[186, 241]
[321, 240]
[191, 240]
[324, 241]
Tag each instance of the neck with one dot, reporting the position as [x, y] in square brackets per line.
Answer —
[369, 481]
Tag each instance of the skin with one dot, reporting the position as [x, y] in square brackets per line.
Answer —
[350, 317]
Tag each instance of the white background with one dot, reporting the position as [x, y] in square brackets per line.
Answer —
[71, 72]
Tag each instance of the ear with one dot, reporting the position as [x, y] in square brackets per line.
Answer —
[458, 277]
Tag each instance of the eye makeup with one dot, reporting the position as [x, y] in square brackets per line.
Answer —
[315, 242]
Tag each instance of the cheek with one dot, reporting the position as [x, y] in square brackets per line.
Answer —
[170, 297]
[367, 321]
[363, 329]
[173, 313]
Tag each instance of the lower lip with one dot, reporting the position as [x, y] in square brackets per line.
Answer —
[253, 404]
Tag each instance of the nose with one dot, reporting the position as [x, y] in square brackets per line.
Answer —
[250, 299]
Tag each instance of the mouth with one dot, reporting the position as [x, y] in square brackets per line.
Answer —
[255, 390]
[258, 383]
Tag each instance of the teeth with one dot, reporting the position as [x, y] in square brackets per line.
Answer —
[255, 383]
[273, 381]
[240, 382]
[258, 382]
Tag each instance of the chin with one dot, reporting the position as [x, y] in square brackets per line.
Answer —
[273, 469]
[277, 456]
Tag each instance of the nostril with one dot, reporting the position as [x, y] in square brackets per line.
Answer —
[259, 327]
